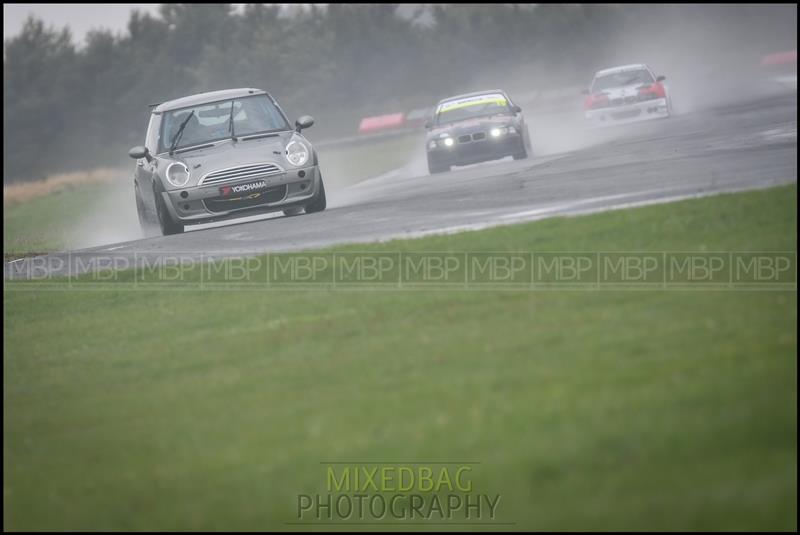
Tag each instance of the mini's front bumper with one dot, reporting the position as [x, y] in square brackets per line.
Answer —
[476, 151]
[630, 113]
[192, 205]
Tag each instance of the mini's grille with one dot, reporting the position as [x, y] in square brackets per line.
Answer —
[252, 171]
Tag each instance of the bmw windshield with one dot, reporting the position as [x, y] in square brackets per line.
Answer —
[470, 107]
[216, 121]
[620, 79]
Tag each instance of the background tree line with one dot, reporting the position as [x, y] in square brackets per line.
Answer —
[76, 107]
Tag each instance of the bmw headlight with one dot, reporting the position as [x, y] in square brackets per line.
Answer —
[432, 144]
[177, 174]
[448, 142]
[502, 131]
[297, 153]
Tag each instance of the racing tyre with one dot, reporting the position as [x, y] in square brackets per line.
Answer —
[319, 203]
[528, 146]
[293, 211]
[435, 169]
[521, 155]
[140, 210]
[145, 220]
[165, 222]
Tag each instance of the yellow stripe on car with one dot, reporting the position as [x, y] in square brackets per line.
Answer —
[457, 104]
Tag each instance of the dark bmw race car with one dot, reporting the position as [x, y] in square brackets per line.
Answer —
[222, 155]
[476, 127]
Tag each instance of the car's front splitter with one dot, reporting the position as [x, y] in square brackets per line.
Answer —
[476, 152]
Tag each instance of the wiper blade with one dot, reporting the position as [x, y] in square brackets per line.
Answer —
[257, 136]
[179, 133]
[195, 147]
[230, 123]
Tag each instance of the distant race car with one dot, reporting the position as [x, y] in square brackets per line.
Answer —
[222, 155]
[475, 127]
[626, 94]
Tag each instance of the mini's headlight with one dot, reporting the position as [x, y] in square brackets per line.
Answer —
[177, 174]
[297, 153]
[448, 142]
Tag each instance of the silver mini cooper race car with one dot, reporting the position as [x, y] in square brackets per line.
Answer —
[222, 155]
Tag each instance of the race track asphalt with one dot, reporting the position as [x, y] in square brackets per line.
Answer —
[751, 144]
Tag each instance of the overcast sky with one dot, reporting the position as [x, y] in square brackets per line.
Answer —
[83, 17]
[79, 17]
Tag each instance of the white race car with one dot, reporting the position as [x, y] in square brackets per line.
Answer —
[626, 94]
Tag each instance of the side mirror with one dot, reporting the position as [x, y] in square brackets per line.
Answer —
[305, 121]
[428, 124]
[139, 152]
[661, 78]
[516, 109]
[585, 92]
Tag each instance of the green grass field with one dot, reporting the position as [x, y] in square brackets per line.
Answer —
[156, 409]
[43, 224]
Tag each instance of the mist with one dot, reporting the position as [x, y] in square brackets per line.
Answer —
[341, 63]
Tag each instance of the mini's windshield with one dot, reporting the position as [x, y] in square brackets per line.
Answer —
[468, 107]
[211, 122]
[619, 79]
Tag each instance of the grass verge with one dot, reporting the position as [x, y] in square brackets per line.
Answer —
[667, 410]
[43, 223]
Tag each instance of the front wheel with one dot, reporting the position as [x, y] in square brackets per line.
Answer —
[293, 211]
[145, 221]
[165, 222]
[528, 145]
[436, 169]
[320, 202]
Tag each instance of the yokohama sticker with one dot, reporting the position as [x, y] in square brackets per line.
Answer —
[242, 188]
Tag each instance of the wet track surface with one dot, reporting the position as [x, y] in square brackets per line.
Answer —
[731, 148]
